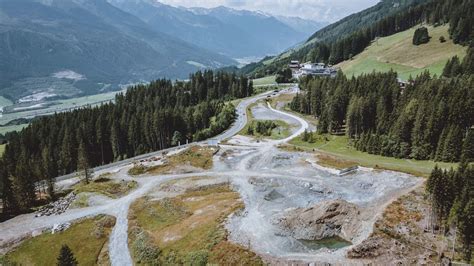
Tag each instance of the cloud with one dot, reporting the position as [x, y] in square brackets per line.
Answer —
[319, 10]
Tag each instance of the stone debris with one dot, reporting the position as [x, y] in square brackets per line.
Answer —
[328, 219]
[58, 207]
[60, 227]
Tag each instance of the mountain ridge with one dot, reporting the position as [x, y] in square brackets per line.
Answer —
[231, 32]
[92, 39]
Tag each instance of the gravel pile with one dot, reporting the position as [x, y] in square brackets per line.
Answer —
[329, 219]
[57, 207]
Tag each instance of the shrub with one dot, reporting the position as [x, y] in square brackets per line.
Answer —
[144, 249]
[138, 169]
[106, 221]
[442, 39]
[197, 258]
[98, 232]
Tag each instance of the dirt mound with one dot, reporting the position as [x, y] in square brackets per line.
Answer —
[369, 248]
[328, 219]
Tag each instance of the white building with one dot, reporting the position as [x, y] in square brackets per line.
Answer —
[315, 69]
[294, 64]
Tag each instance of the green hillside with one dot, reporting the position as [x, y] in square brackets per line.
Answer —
[352, 35]
[398, 53]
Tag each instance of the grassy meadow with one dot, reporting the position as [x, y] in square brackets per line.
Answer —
[341, 152]
[398, 53]
[264, 81]
[85, 238]
[187, 229]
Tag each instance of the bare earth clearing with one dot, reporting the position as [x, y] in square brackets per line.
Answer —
[272, 184]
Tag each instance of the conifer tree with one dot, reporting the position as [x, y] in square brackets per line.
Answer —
[452, 144]
[83, 162]
[66, 257]
[421, 36]
[8, 198]
[468, 147]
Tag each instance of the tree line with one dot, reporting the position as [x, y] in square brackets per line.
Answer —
[458, 13]
[452, 199]
[146, 118]
[429, 118]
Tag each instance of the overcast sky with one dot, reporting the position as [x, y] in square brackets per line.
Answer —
[319, 10]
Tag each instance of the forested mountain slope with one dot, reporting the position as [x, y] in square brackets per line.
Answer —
[336, 43]
[70, 47]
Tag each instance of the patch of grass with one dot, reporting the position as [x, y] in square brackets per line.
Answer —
[261, 89]
[138, 169]
[81, 201]
[189, 229]
[85, 238]
[283, 98]
[338, 146]
[196, 156]
[107, 187]
[281, 131]
[226, 253]
[159, 215]
[334, 162]
[264, 81]
[398, 53]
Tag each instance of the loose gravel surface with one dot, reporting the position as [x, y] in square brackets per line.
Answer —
[269, 180]
[262, 112]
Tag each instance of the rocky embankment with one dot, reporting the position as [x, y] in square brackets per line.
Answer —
[57, 207]
[328, 219]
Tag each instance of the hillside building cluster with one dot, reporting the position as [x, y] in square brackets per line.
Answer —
[311, 69]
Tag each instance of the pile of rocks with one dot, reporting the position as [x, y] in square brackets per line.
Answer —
[328, 219]
[60, 227]
[57, 207]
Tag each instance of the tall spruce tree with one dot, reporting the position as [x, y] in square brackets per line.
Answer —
[66, 257]
[83, 164]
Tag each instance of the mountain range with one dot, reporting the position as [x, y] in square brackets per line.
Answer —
[234, 33]
[65, 48]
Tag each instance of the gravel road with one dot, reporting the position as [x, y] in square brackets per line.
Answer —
[252, 168]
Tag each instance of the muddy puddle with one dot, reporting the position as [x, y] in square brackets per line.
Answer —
[331, 243]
